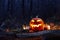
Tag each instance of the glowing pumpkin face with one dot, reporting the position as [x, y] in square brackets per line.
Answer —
[36, 24]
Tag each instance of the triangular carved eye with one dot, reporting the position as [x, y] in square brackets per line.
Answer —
[38, 20]
[32, 20]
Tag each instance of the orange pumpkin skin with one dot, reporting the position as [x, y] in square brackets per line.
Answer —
[36, 24]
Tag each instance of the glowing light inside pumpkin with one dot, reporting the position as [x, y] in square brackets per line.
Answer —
[40, 24]
[38, 20]
[32, 20]
[36, 23]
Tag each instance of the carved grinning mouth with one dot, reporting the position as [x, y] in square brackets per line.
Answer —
[36, 25]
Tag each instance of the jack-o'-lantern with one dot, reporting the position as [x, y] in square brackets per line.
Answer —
[36, 24]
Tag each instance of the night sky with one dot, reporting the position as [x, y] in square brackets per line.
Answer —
[23, 10]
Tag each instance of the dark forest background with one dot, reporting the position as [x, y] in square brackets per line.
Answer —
[23, 10]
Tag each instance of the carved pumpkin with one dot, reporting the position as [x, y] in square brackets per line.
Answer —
[36, 24]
